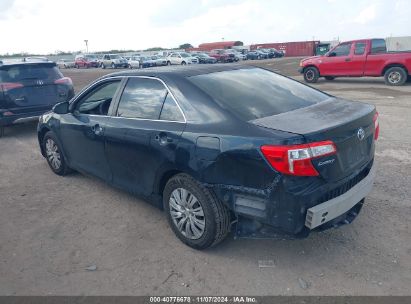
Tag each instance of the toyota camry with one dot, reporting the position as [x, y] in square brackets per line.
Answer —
[220, 148]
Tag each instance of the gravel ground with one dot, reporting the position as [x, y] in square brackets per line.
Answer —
[75, 235]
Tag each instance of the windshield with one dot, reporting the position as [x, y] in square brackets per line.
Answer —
[255, 93]
[115, 56]
[91, 56]
[185, 55]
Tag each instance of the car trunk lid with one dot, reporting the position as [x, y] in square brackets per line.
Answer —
[348, 124]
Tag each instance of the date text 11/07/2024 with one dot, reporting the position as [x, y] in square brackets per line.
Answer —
[205, 299]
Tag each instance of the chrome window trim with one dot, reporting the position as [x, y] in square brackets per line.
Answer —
[96, 83]
[168, 91]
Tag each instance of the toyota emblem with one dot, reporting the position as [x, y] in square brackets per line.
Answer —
[360, 133]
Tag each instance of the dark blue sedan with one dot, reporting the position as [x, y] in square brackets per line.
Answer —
[220, 148]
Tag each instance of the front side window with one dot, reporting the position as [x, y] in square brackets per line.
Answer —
[142, 98]
[342, 50]
[98, 101]
[255, 93]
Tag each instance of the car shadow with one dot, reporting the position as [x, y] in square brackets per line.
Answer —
[21, 131]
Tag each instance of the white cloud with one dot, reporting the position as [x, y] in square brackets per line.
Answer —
[44, 26]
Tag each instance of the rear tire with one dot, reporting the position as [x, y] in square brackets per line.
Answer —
[54, 154]
[194, 213]
[77, 66]
[311, 75]
[329, 77]
[113, 66]
[395, 76]
[103, 66]
[183, 63]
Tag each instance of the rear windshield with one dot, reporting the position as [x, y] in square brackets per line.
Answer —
[17, 73]
[255, 93]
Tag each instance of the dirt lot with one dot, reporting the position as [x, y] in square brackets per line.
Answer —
[53, 228]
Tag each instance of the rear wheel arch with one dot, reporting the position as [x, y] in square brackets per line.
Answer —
[392, 65]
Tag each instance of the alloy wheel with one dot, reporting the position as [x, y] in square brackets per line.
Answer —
[53, 154]
[187, 213]
[394, 77]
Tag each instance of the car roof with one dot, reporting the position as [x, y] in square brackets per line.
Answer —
[180, 71]
[32, 62]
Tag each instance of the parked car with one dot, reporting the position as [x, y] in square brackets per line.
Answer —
[147, 62]
[114, 61]
[254, 55]
[65, 63]
[134, 62]
[28, 89]
[277, 53]
[222, 56]
[159, 61]
[36, 59]
[181, 58]
[358, 58]
[86, 61]
[204, 58]
[238, 55]
[212, 152]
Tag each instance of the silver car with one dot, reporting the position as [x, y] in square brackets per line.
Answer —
[113, 61]
[65, 63]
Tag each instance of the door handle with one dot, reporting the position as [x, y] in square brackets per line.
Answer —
[97, 129]
[347, 59]
[163, 139]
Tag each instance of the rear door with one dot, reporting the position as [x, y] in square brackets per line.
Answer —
[31, 87]
[144, 135]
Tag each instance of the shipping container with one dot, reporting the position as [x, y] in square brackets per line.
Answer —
[291, 49]
[398, 44]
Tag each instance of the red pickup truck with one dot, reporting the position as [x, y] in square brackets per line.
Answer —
[358, 58]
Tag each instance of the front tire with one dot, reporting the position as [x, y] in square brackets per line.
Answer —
[1, 131]
[183, 63]
[194, 213]
[311, 75]
[113, 66]
[103, 66]
[54, 154]
[395, 76]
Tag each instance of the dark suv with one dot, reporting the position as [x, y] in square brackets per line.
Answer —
[28, 89]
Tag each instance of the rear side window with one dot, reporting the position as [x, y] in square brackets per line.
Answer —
[378, 46]
[19, 73]
[255, 93]
[142, 98]
[170, 110]
[359, 48]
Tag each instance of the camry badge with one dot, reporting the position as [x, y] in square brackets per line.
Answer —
[360, 133]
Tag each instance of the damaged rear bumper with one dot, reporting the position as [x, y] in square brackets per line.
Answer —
[285, 211]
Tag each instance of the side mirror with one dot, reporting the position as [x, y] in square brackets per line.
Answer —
[332, 54]
[61, 108]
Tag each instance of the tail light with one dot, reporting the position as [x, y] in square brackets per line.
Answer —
[64, 80]
[7, 86]
[376, 126]
[296, 159]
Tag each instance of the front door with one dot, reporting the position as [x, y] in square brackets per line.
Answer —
[336, 62]
[144, 134]
[84, 130]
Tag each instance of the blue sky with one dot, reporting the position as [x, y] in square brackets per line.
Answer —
[44, 26]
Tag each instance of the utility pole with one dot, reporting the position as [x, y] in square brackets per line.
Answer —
[86, 42]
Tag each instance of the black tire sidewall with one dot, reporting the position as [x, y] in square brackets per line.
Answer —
[316, 75]
[205, 199]
[402, 72]
[63, 167]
